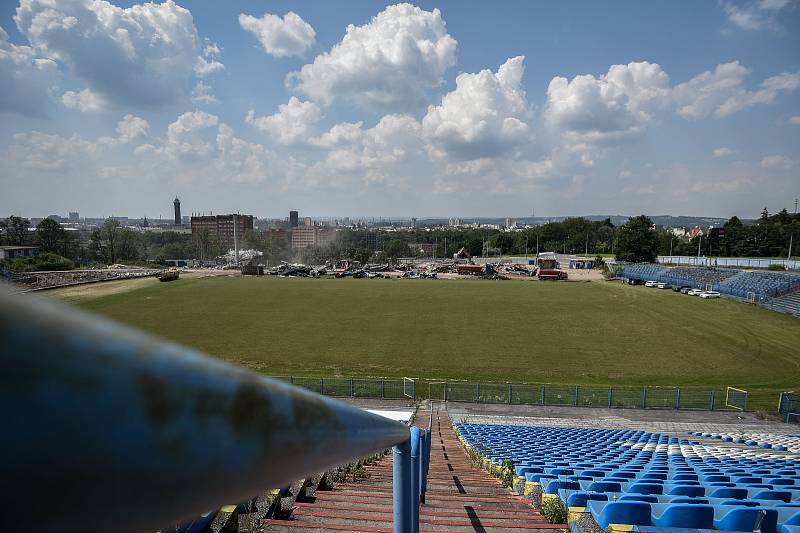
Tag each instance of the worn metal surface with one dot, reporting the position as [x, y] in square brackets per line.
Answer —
[402, 488]
[108, 429]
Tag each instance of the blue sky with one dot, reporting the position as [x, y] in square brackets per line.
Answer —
[425, 109]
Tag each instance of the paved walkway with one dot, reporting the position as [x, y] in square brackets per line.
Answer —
[460, 497]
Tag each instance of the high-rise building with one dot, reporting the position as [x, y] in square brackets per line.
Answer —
[305, 236]
[222, 227]
[294, 219]
[307, 221]
[74, 216]
[177, 204]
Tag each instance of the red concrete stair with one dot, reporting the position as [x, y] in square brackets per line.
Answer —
[460, 497]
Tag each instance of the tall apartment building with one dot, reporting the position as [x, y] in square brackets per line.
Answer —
[305, 236]
[222, 227]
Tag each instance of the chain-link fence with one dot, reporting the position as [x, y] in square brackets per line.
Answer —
[528, 393]
[789, 406]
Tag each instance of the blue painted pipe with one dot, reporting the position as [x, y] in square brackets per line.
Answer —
[109, 429]
[402, 487]
[426, 438]
[416, 453]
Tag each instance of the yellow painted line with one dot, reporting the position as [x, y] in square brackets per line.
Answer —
[228, 508]
[574, 513]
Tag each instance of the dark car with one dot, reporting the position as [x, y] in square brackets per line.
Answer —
[679, 288]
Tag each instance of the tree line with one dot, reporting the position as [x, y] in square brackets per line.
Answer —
[636, 240]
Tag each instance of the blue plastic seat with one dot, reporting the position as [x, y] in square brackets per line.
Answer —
[554, 486]
[646, 488]
[686, 515]
[579, 499]
[687, 490]
[781, 495]
[632, 513]
[747, 519]
[649, 498]
[729, 492]
[604, 486]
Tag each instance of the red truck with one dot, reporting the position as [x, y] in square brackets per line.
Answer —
[469, 269]
[551, 273]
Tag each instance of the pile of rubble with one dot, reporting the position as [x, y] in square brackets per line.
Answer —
[29, 281]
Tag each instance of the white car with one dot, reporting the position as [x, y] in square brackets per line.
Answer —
[695, 292]
[650, 283]
[663, 286]
[709, 294]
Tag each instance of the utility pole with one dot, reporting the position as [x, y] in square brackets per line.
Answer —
[537, 244]
[700, 240]
[586, 252]
[670, 245]
[791, 238]
[235, 242]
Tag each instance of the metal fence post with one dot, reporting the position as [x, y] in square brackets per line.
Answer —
[610, 397]
[478, 392]
[415, 481]
[426, 459]
[713, 393]
[575, 401]
[401, 487]
[678, 398]
[510, 392]
[542, 400]
[322, 386]
[291, 380]
[383, 389]
[644, 397]
[746, 394]
[352, 390]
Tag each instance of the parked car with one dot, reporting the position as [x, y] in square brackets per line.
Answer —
[685, 290]
[679, 288]
[695, 292]
[709, 294]
[663, 285]
[651, 284]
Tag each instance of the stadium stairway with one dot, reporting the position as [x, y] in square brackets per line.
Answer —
[460, 497]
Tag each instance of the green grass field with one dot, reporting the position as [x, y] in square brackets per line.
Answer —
[597, 333]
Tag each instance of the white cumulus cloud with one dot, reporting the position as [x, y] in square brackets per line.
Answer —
[486, 115]
[755, 15]
[292, 124]
[145, 55]
[722, 91]
[723, 152]
[84, 100]
[280, 37]
[384, 64]
[612, 108]
[777, 162]
[26, 79]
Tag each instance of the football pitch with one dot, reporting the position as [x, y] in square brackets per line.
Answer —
[597, 333]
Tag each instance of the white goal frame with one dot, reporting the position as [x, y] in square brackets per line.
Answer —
[413, 382]
[444, 390]
[727, 398]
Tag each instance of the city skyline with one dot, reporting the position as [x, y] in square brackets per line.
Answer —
[426, 110]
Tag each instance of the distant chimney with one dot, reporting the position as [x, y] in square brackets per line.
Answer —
[178, 219]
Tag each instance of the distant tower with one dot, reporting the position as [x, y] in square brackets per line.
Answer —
[178, 218]
[294, 219]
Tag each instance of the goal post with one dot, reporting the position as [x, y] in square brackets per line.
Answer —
[437, 390]
[409, 387]
[736, 398]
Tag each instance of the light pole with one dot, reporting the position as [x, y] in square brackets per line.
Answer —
[670, 245]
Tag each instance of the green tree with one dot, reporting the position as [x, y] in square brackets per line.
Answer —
[397, 248]
[50, 235]
[16, 230]
[637, 241]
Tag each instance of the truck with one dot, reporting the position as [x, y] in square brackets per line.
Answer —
[469, 269]
[551, 274]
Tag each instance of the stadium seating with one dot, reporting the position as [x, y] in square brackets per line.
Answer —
[635, 480]
[729, 281]
[789, 443]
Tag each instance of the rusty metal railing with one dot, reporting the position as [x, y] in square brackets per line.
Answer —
[108, 429]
